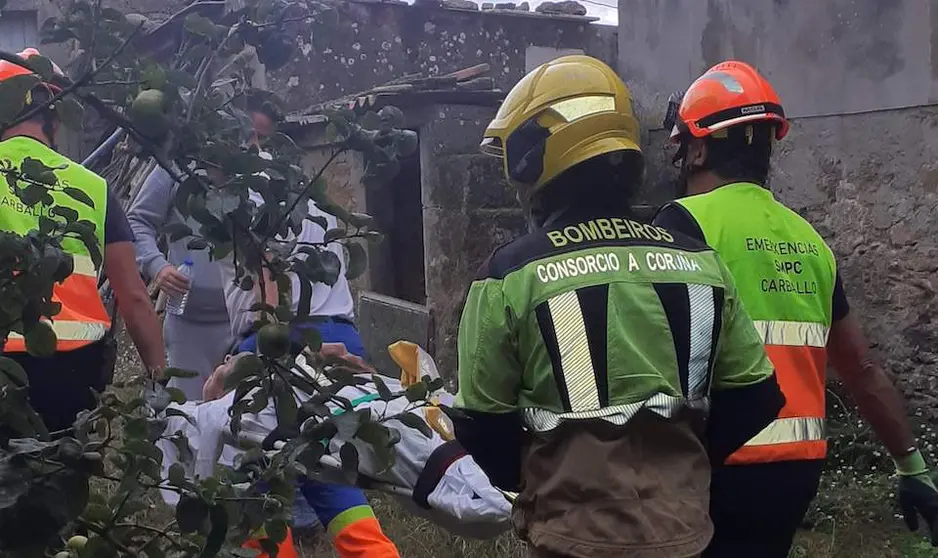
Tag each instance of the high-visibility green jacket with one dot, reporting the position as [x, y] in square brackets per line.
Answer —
[609, 341]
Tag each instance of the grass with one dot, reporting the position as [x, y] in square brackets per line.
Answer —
[854, 515]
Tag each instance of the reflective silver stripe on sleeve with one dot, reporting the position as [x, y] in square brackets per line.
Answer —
[792, 334]
[701, 339]
[575, 360]
[66, 330]
[787, 430]
[667, 406]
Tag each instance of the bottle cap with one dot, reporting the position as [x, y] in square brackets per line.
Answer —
[187, 261]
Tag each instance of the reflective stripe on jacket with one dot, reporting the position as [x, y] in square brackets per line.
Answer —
[83, 318]
[785, 274]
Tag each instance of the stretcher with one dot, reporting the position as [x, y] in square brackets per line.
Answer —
[432, 477]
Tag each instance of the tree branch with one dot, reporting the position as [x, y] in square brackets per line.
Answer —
[73, 86]
[332, 158]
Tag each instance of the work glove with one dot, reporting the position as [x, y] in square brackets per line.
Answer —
[918, 494]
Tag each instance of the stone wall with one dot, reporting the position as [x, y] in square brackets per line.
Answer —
[368, 44]
[856, 164]
[468, 210]
[823, 57]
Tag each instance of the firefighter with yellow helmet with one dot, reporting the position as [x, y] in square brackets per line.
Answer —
[59, 385]
[604, 362]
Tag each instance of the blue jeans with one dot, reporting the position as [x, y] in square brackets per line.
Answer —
[326, 500]
[331, 330]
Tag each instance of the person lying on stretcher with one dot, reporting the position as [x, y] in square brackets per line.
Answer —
[344, 512]
[431, 477]
[214, 387]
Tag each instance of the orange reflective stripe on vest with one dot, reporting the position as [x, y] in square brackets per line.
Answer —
[83, 319]
[797, 349]
[285, 548]
[785, 275]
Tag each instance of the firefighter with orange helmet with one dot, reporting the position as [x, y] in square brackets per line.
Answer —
[59, 385]
[726, 126]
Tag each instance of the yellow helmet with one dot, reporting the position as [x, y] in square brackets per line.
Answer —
[561, 114]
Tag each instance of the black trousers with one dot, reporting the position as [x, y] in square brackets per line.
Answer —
[60, 386]
[756, 509]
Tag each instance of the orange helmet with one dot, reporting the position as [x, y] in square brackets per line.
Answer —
[728, 94]
[9, 70]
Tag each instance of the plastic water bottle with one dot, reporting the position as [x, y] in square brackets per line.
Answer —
[176, 303]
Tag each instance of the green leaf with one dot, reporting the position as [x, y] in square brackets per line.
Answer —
[416, 392]
[216, 535]
[246, 366]
[197, 244]
[78, 195]
[286, 407]
[331, 266]
[360, 220]
[12, 370]
[177, 413]
[180, 78]
[177, 231]
[202, 26]
[348, 453]
[190, 513]
[158, 398]
[67, 213]
[284, 314]
[71, 113]
[153, 76]
[177, 395]
[312, 338]
[413, 421]
[383, 390]
[334, 234]
[177, 475]
[357, 261]
[13, 92]
[173, 372]
[247, 283]
[40, 341]
[373, 433]
[47, 225]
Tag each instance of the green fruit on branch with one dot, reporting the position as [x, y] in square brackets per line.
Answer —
[77, 542]
[148, 114]
[273, 340]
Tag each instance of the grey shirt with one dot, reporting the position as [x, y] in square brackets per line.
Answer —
[152, 210]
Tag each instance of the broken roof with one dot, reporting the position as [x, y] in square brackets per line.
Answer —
[468, 86]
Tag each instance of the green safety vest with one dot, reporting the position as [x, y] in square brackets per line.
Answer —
[785, 274]
[83, 318]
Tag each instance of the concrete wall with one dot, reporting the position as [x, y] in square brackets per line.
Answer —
[868, 181]
[369, 44]
[823, 57]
